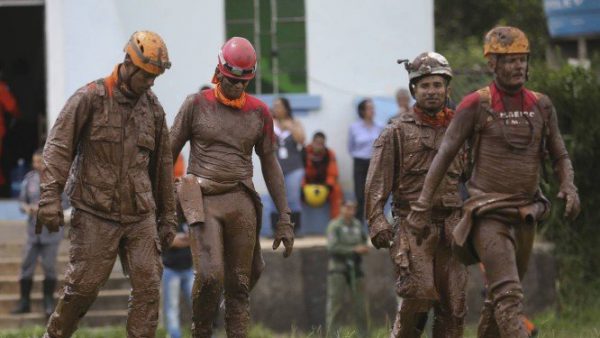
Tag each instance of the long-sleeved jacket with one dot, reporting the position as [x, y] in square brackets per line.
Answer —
[402, 155]
[115, 154]
[320, 169]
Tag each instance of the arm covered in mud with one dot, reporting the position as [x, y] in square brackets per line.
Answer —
[165, 199]
[271, 171]
[561, 163]
[462, 127]
[181, 131]
[383, 167]
[59, 152]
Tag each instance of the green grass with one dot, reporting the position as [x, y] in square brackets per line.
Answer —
[584, 324]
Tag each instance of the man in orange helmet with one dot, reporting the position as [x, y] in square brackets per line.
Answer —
[111, 143]
[510, 130]
[217, 196]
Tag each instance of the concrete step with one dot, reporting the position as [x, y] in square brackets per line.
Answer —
[10, 284]
[15, 248]
[93, 318]
[107, 300]
[11, 266]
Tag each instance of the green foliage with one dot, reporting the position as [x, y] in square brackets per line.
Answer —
[575, 94]
[458, 20]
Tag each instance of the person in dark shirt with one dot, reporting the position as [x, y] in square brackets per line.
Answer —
[177, 275]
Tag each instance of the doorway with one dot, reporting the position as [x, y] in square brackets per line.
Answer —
[23, 70]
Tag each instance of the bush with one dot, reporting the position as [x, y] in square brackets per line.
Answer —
[575, 93]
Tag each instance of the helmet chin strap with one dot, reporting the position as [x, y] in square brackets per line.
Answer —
[125, 83]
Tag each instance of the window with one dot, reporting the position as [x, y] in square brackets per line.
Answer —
[277, 30]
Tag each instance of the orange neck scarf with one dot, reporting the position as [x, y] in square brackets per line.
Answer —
[441, 119]
[111, 80]
[236, 103]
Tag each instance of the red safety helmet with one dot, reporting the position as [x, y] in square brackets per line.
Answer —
[237, 59]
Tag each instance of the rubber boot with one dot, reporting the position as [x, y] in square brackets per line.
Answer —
[24, 305]
[49, 286]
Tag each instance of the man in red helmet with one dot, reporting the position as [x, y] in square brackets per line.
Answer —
[511, 129]
[217, 196]
[111, 143]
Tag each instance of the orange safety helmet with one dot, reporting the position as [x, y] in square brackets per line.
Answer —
[505, 40]
[237, 59]
[148, 51]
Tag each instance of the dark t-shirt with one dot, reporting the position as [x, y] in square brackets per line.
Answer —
[178, 258]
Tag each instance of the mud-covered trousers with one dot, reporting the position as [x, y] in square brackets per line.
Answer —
[222, 251]
[449, 279]
[95, 244]
[504, 247]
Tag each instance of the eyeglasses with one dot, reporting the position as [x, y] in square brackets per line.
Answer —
[234, 81]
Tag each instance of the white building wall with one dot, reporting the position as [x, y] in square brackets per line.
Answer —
[85, 40]
[352, 48]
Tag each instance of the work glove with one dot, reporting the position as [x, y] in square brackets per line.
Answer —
[568, 192]
[419, 220]
[383, 238]
[284, 232]
[50, 214]
[166, 235]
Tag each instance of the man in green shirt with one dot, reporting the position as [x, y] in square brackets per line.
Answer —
[346, 243]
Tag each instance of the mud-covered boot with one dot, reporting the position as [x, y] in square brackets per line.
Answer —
[24, 305]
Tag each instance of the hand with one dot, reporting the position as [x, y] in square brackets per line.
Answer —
[572, 204]
[361, 249]
[50, 214]
[418, 221]
[166, 234]
[284, 232]
[383, 239]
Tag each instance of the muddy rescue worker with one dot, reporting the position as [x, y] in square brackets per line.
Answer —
[111, 143]
[224, 125]
[510, 129]
[427, 273]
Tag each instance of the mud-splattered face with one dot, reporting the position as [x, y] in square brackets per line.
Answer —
[233, 88]
[430, 93]
[511, 70]
[141, 81]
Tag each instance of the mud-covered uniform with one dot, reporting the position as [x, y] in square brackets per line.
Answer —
[427, 274]
[224, 241]
[115, 153]
[510, 135]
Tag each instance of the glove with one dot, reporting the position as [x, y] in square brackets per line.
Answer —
[383, 238]
[284, 232]
[166, 235]
[50, 214]
[418, 220]
[572, 204]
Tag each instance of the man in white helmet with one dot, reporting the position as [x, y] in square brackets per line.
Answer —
[427, 273]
